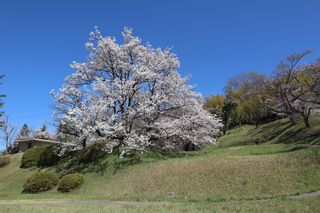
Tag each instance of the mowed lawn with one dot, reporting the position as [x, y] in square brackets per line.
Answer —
[236, 176]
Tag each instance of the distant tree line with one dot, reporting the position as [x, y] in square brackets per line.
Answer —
[292, 91]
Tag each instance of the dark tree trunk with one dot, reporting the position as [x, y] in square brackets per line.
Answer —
[306, 118]
[116, 150]
[7, 147]
[306, 121]
[84, 143]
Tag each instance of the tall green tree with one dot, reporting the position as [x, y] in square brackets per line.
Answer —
[243, 93]
[214, 104]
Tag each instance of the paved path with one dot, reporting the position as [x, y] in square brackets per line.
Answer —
[125, 203]
[305, 195]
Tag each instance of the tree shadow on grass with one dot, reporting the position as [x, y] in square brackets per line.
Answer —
[106, 163]
[269, 132]
[301, 136]
[282, 132]
[72, 163]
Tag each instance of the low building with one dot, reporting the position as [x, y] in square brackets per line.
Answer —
[25, 144]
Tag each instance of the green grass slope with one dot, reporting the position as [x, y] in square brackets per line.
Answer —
[12, 177]
[235, 170]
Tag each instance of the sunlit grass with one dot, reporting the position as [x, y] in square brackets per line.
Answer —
[202, 207]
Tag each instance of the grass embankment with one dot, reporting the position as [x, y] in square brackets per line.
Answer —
[236, 170]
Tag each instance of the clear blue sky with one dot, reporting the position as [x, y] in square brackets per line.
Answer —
[213, 39]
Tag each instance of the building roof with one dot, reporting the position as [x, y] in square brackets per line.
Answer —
[37, 139]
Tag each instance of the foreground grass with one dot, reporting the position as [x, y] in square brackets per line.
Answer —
[252, 206]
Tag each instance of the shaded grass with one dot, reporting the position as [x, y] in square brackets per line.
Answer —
[279, 131]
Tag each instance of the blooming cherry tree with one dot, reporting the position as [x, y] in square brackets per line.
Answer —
[130, 95]
[43, 133]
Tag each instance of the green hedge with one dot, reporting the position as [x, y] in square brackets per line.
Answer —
[31, 156]
[70, 182]
[48, 157]
[40, 182]
[4, 160]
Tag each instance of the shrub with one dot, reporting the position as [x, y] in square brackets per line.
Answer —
[31, 156]
[4, 160]
[131, 158]
[69, 182]
[48, 157]
[93, 153]
[13, 148]
[40, 182]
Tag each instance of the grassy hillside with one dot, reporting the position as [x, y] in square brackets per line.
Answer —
[12, 177]
[235, 170]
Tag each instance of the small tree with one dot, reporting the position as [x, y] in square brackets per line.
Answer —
[309, 83]
[8, 133]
